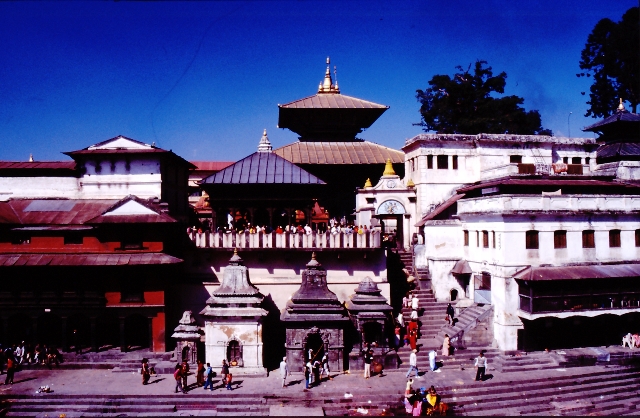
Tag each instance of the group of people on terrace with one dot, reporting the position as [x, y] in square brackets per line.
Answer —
[17, 356]
[299, 228]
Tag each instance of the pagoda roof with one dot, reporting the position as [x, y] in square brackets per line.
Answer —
[620, 116]
[263, 168]
[332, 101]
[339, 152]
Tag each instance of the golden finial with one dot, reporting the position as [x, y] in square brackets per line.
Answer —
[410, 183]
[368, 183]
[235, 251]
[313, 254]
[388, 169]
[621, 106]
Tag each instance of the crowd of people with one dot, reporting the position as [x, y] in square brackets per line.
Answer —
[17, 356]
[423, 401]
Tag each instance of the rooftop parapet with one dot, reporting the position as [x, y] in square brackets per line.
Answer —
[497, 138]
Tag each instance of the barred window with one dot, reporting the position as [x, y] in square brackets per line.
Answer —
[532, 240]
[559, 239]
[588, 239]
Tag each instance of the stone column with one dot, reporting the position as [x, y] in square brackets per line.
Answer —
[150, 333]
[123, 346]
[93, 334]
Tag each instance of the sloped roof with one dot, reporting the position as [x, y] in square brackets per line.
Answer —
[621, 149]
[440, 208]
[111, 259]
[211, 165]
[37, 165]
[150, 215]
[332, 101]
[607, 271]
[620, 116]
[357, 152]
[263, 168]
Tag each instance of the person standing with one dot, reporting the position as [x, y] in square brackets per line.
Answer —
[325, 367]
[432, 361]
[11, 369]
[401, 319]
[446, 345]
[177, 375]
[146, 373]
[412, 331]
[413, 364]
[200, 374]
[224, 372]
[481, 366]
[185, 373]
[284, 371]
[368, 358]
[307, 375]
[20, 353]
[397, 337]
[208, 377]
[415, 303]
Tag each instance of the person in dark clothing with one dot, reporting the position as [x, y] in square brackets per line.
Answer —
[224, 372]
[450, 313]
[11, 369]
[368, 358]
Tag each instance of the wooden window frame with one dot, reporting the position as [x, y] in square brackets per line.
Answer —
[589, 238]
[532, 241]
[466, 238]
[614, 238]
[430, 161]
[442, 162]
[454, 162]
[559, 239]
[485, 239]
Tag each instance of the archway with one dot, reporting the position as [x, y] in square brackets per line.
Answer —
[78, 332]
[234, 353]
[50, 329]
[136, 332]
[371, 333]
[314, 347]
[453, 294]
[19, 329]
[107, 331]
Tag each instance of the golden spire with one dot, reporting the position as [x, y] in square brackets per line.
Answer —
[621, 106]
[264, 145]
[368, 183]
[388, 169]
[410, 183]
[327, 86]
[235, 251]
[313, 254]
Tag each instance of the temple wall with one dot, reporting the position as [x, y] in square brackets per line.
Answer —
[218, 334]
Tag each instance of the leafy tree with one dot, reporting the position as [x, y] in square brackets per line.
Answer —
[464, 104]
[611, 56]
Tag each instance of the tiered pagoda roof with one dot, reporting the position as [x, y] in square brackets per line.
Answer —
[620, 134]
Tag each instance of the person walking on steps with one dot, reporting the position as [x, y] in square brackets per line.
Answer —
[11, 369]
[481, 366]
[145, 371]
[432, 361]
[284, 371]
[450, 313]
[413, 364]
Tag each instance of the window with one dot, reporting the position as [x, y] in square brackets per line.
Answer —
[234, 353]
[532, 240]
[493, 239]
[614, 238]
[466, 238]
[429, 161]
[559, 239]
[565, 160]
[131, 243]
[485, 239]
[515, 159]
[637, 237]
[477, 238]
[454, 162]
[587, 160]
[443, 162]
[73, 239]
[576, 160]
[588, 239]
[19, 239]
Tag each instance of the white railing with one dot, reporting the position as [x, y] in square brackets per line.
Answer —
[315, 240]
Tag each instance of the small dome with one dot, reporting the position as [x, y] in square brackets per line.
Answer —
[313, 262]
[367, 286]
[235, 258]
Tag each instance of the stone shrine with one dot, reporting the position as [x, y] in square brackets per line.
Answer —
[233, 321]
[315, 322]
[187, 334]
[371, 316]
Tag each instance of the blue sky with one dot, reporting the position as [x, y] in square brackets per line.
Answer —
[205, 78]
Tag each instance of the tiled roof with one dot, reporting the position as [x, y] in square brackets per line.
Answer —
[263, 168]
[41, 165]
[357, 152]
[607, 271]
[111, 259]
[622, 149]
[559, 181]
[623, 116]
[332, 101]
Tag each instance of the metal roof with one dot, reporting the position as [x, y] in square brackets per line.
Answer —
[263, 168]
[357, 152]
[461, 267]
[620, 116]
[332, 101]
[211, 165]
[37, 165]
[9, 260]
[608, 271]
[620, 149]
[440, 208]
[545, 181]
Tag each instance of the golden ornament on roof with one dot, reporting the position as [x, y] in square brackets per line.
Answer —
[368, 183]
[388, 169]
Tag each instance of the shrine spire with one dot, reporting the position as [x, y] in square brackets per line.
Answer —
[327, 85]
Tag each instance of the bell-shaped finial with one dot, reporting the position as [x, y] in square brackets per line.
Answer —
[621, 106]
[368, 183]
[30, 158]
[388, 169]
[265, 144]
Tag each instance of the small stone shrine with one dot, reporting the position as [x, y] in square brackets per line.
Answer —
[315, 322]
[187, 334]
[233, 321]
[371, 317]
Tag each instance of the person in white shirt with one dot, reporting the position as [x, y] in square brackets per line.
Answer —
[401, 319]
[432, 361]
[307, 229]
[413, 364]
[414, 315]
[481, 366]
[284, 371]
[415, 303]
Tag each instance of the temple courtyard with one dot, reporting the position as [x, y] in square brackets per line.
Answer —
[587, 381]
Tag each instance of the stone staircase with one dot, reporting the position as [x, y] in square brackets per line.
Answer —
[614, 391]
[461, 333]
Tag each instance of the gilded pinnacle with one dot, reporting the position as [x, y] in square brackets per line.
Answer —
[388, 169]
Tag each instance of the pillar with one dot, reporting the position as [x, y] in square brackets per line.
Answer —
[34, 327]
[93, 334]
[123, 346]
[4, 323]
[150, 333]
[65, 342]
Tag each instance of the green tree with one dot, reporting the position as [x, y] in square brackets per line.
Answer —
[464, 104]
[612, 57]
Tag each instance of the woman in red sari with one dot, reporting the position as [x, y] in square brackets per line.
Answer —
[412, 330]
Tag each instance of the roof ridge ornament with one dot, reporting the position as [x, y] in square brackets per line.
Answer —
[265, 145]
[621, 106]
[327, 85]
[388, 169]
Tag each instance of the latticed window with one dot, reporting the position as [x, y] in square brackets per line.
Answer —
[588, 239]
[559, 239]
[614, 238]
[532, 240]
